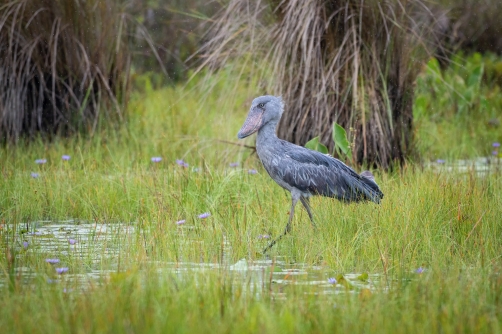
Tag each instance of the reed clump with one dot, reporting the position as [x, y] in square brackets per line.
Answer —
[350, 62]
[168, 34]
[64, 64]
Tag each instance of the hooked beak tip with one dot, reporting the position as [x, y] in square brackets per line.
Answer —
[252, 124]
[241, 136]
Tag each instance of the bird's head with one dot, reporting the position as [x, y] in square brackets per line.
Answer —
[264, 109]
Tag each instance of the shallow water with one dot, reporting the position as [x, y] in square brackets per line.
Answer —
[98, 246]
[480, 165]
[90, 240]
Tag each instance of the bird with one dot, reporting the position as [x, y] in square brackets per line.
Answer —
[299, 170]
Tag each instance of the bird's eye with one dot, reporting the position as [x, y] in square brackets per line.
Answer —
[261, 105]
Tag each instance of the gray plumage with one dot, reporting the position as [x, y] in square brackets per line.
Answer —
[301, 171]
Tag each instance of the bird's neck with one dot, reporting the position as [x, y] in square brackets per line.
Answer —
[266, 133]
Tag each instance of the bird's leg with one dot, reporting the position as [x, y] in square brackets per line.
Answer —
[294, 199]
[306, 203]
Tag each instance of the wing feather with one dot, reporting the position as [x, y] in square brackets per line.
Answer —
[320, 174]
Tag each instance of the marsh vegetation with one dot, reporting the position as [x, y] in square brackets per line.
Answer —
[157, 224]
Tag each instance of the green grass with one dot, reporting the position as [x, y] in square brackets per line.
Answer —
[447, 223]
[458, 111]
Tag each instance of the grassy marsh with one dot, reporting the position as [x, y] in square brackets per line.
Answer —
[445, 223]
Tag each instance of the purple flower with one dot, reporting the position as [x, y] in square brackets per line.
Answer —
[252, 171]
[72, 241]
[34, 175]
[25, 244]
[65, 157]
[62, 270]
[181, 222]
[204, 215]
[181, 163]
[420, 270]
[496, 144]
[440, 161]
[263, 236]
[52, 261]
[156, 159]
[40, 161]
[332, 280]
[495, 153]
[234, 164]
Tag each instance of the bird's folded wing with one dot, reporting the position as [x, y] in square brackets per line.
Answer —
[317, 173]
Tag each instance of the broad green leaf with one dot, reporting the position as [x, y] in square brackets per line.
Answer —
[462, 106]
[315, 145]
[344, 282]
[363, 277]
[420, 105]
[484, 105]
[434, 70]
[341, 141]
[475, 76]
[433, 66]
[470, 95]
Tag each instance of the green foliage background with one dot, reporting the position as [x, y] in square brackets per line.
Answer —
[458, 111]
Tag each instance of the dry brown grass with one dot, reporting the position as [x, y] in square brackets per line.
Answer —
[353, 62]
[62, 64]
[173, 29]
[474, 25]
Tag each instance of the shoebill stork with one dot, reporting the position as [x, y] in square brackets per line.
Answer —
[303, 172]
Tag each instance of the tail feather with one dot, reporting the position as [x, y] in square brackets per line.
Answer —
[369, 180]
[367, 174]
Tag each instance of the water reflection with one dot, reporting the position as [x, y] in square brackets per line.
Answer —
[99, 247]
[92, 241]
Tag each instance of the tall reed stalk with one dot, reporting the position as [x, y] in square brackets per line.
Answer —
[63, 63]
[353, 62]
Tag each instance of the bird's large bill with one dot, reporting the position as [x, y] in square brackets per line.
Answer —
[252, 123]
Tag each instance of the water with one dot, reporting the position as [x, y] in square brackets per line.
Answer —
[93, 241]
[481, 166]
[91, 251]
